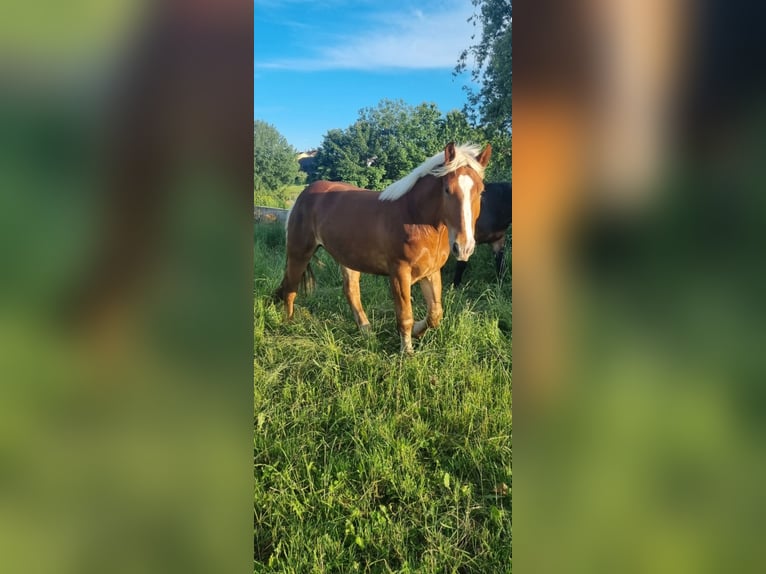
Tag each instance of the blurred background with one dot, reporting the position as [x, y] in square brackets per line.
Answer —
[126, 286]
[639, 396]
[125, 316]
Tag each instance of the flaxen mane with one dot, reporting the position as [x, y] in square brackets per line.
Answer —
[465, 155]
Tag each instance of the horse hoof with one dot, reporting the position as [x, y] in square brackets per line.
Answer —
[420, 328]
[365, 330]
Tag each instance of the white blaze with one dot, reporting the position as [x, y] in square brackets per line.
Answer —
[466, 184]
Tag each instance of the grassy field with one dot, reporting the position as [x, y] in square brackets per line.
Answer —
[366, 461]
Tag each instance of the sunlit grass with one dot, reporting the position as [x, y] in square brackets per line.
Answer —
[368, 461]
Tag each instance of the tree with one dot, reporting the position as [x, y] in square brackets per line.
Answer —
[388, 141]
[491, 105]
[493, 57]
[275, 163]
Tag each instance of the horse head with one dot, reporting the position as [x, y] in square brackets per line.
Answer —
[462, 186]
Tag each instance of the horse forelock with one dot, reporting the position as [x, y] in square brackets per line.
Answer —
[465, 156]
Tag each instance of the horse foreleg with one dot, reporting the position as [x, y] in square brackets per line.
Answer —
[352, 293]
[401, 282]
[459, 269]
[431, 287]
[498, 248]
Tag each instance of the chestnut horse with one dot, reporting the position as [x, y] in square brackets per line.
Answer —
[405, 232]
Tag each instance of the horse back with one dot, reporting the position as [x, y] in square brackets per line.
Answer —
[329, 186]
[320, 200]
[351, 223]
[336, 202]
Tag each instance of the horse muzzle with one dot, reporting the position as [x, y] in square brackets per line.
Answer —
[464, 251]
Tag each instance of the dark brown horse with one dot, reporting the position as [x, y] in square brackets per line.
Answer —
[405, 232]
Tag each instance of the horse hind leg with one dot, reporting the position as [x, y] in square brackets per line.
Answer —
[353, 296]
[298, 273]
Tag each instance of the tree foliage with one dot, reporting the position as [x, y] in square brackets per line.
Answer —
[490, 62]
[491, 67]
[275, 164]
[386, 142]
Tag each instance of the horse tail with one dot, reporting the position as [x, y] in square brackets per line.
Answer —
[278, 295]
[308, 280]
[307, 285]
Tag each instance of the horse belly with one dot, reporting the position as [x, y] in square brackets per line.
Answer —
[364, 263]
[361, 249]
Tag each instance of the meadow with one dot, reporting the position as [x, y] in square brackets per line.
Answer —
[368, 461]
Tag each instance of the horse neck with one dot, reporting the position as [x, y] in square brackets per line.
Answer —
[498, 200]
[507, 205]
[424, 202]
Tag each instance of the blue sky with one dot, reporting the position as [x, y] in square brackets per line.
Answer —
[317, 63]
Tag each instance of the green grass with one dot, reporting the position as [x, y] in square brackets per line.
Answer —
[366, 461]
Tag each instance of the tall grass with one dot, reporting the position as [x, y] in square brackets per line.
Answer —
[366, 461]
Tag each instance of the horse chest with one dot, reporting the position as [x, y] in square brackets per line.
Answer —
[426, 251]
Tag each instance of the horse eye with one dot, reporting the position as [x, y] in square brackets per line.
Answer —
[446, 190]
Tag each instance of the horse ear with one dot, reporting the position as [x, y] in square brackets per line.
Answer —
[449, 152]
[484, 156]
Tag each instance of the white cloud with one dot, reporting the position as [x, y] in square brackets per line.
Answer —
[416, 40]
